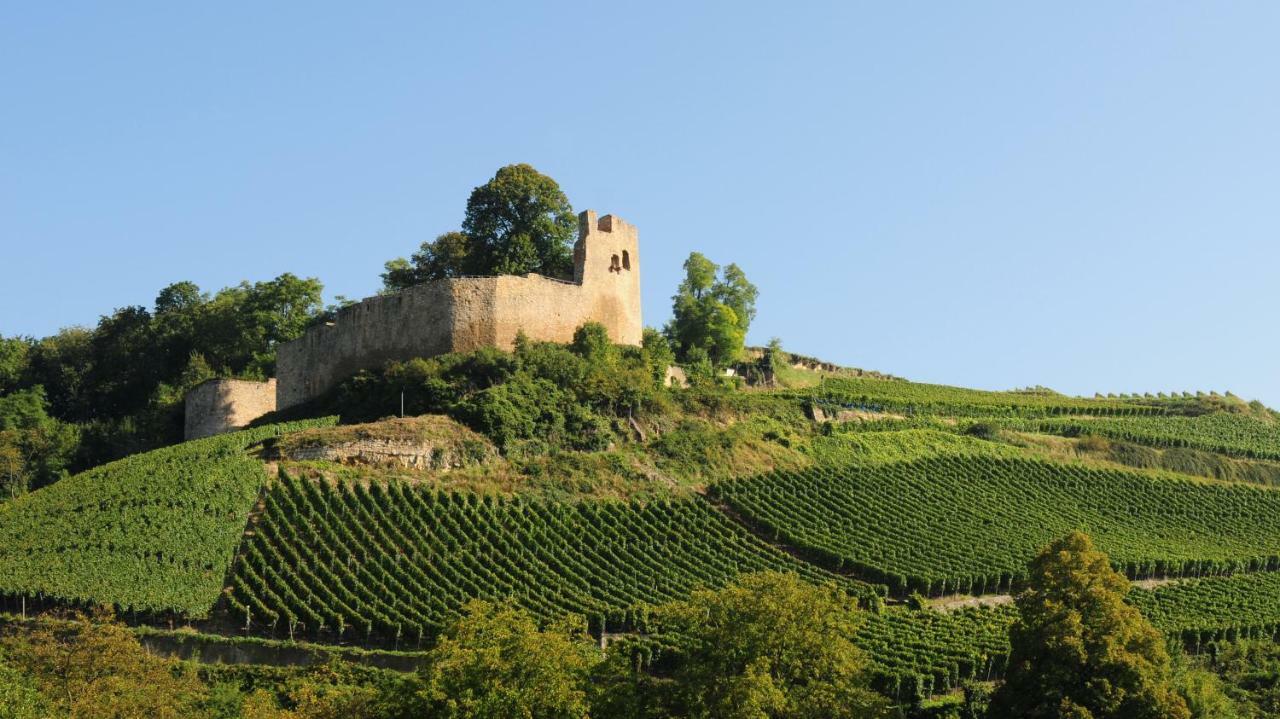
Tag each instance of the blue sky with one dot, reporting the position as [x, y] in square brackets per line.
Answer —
[1083, 196]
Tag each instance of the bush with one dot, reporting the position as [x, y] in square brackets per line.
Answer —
[542, 395]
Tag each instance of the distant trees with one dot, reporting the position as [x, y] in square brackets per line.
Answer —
[1078, 650]
[35, 449]
[711, 312]
[518, 222]
[122, 382]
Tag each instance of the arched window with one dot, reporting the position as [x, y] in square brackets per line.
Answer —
[626, 260]
[614, 266]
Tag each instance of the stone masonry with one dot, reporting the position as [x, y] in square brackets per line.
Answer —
[221, 405]
[453, 315]
[463, 314]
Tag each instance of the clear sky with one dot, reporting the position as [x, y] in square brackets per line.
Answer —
[1084, 196]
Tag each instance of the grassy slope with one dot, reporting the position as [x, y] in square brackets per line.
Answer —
[151, 532]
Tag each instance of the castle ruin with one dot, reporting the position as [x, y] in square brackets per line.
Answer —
[218, 405]
[452, 315]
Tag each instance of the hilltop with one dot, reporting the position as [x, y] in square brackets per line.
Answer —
[347, 529]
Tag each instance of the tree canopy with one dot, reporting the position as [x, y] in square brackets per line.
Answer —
[711, 312]
[122, 382]
[495, 663]
[771, 646]
[518, 222]
[1078, 650]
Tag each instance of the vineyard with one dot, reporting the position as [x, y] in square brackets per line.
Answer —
[969, 524]
[1231, 434]
[152, 532]
[914, 398]
[397, 562]
[1216, 608]
[918, 653]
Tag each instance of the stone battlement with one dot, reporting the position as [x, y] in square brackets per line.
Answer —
[467, 313]
[452, 315]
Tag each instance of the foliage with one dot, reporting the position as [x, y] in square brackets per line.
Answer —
[710, 314]
[541, 396]
[13, 361]
[152, 532]
[969, 524]
[35, 449]
[517, 223]
[1215, 608]
[770, 645]
[494, 662]
[401, 562]
[1250, 674]
[20, 697]
[441, 258]
[1078, 650]
[97, 669]
[123, 381]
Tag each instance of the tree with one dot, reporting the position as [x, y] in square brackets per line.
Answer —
[494, 663]
[97, 669]
[13, 361]
[240, 328]
[35, 449]
[711, 316]
[516, 223]
[20, 698]
[445, 256]
[771, 646]
[519, 222]
[1078, 650]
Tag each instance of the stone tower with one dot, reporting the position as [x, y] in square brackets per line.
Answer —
[606, 264]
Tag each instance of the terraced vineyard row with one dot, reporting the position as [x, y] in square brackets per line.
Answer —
[970, 524]
[151, 532]
[1237, 435]
[398, 561]
[918, 653]
[919, 398]
[1217, 608]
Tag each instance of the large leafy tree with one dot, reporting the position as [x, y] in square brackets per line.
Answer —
[98, 669]
[1078, 650]
[495, 663]
[771, 646]
[518, 222]
[711, 312]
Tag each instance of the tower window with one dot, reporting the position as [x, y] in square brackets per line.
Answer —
[626, 260]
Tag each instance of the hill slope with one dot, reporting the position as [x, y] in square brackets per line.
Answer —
[152, 532]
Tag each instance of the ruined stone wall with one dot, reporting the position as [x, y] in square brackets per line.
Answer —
[459, 315]
[223, 405]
